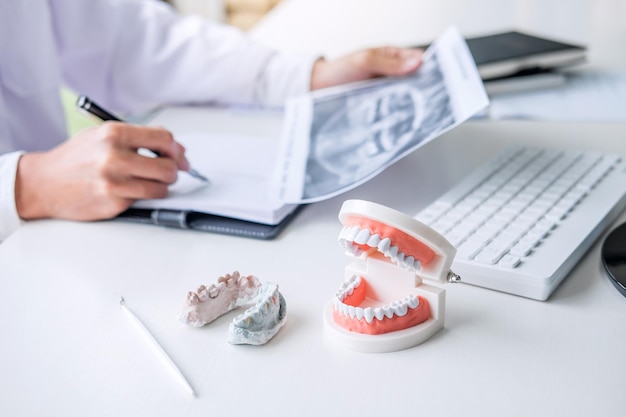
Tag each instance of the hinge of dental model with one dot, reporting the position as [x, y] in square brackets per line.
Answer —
[256, 326]
[453, 278]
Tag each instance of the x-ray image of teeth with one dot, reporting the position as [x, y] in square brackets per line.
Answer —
[354, 136]
[335, 140]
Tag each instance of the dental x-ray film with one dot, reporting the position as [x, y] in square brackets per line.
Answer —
[338, 138]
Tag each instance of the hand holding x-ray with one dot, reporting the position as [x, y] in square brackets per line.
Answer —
[338, 138]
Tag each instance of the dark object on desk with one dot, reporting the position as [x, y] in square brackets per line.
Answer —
[204, 222]
[512, 53]
[514, 61]
[524, 81]
[614, 257]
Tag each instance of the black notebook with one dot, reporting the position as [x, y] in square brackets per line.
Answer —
[237, 150]
[511, 54]
[205, 222]
[515, 53]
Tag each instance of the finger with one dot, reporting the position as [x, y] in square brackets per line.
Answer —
[119, 163]
[393, 61]
[129, 137]
[366, 64]
[138, 189]
[163, 170]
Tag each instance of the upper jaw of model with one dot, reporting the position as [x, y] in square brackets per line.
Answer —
[359, 241]
[208, 303]
[256, 326]
[403, 251]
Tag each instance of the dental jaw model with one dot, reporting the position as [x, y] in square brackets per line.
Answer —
[383, 304]
[256, 326]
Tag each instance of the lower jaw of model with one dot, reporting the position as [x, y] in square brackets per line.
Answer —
[258, 324]
[349, 313]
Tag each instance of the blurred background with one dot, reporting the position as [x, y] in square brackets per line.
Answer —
[241, 13]
[332, 28]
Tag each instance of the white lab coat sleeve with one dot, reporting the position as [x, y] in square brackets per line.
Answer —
[136, 55]
[9, 220]
[285, 76]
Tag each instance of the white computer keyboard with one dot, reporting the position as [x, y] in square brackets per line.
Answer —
[522, 220]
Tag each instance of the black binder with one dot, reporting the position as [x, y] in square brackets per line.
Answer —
[204, 222]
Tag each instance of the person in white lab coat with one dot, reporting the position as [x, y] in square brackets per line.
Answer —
[131, 56]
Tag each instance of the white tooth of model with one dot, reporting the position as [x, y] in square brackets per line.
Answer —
[352, 232]
[362, 237]
[373, 241]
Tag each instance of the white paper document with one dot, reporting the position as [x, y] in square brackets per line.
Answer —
[237, 149]
[339, 138]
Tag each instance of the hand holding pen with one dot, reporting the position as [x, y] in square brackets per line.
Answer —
[86, 104]
[97, 173]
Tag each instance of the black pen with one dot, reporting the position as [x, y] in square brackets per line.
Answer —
[86, 104]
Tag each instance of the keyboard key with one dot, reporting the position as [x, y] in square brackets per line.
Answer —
[470, 248]
[491, 254]
[456, 237]
[509, 261]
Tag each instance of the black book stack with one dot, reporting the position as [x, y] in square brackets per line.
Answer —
[512, 61]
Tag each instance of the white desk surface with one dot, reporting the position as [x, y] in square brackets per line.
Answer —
[67, 349]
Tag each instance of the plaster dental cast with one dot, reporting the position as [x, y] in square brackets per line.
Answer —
[256, 326]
